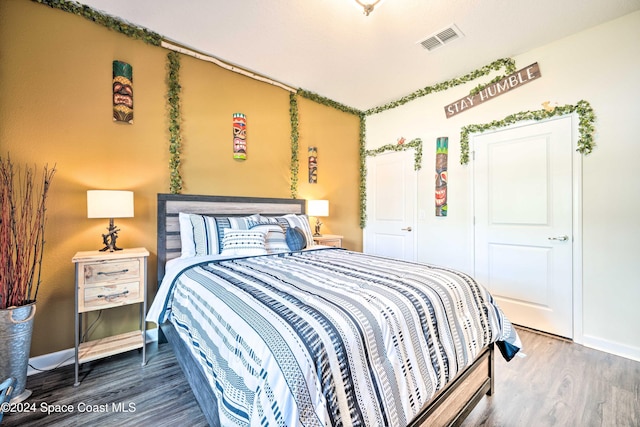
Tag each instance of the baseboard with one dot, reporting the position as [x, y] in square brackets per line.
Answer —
[50, 361]
[622, 350]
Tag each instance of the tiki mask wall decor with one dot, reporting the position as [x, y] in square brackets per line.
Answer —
[239, 136]
[442, 155]
[313, 165]
[122, 92]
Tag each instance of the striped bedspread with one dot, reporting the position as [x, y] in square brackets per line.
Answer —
[329, 337]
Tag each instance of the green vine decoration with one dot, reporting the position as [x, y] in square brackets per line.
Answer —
[295, 136]
[175, 138]
[414, 143]
[363, 171]
[115, 24]
[582, 108]
[417, 165]
[328, 102]
[510, 68]
[508, 64]
[585, 125]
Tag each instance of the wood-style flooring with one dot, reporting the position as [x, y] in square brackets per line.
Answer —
[558, 384]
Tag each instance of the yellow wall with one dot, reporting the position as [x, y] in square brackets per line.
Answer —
[55, 78]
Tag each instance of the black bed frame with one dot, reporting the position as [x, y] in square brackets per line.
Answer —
[450, 406]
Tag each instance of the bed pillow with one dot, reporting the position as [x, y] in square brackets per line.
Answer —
[287, 221]
[187, 245]
[243, 243]
[274, 236]
[302, 222]
[295, 239]
[205, 235]
[207, 232]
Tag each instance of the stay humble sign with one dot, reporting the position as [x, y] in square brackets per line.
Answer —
[508, 83]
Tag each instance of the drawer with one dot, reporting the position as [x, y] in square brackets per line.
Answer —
[111, 295]
[336, 243]
[99, 272]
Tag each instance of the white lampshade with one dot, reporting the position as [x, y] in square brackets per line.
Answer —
[109, 204]
[318, 208]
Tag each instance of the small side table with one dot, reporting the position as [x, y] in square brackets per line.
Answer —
[329, 240]
[106, 280]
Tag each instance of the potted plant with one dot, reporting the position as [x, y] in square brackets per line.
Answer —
[23, 197]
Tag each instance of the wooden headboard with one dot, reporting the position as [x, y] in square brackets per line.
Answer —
[170, 205]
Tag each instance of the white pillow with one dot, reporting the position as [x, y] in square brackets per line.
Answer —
[243, 243]
[274, 240]
[186, 236]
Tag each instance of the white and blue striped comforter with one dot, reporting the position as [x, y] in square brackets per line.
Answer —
[329, 337]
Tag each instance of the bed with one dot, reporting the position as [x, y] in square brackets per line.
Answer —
[338, 362]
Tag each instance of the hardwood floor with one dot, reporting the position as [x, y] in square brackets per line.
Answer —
[558, 384]
[156, 394]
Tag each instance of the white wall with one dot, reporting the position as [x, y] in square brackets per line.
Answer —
[602, 66]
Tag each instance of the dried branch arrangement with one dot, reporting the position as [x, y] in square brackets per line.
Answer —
[23, 198]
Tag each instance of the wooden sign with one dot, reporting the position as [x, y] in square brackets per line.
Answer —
[508, 83]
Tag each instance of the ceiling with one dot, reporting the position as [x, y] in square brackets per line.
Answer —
[331, 48]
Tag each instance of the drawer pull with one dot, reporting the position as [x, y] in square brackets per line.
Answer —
[111, 297]
[108, 273]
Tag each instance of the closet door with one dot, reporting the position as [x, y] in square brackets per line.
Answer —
[391, 205]
[523, 216]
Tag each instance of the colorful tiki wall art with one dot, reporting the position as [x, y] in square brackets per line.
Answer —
[239, 136]
[313, 165]
[442, 154]
[122, 92]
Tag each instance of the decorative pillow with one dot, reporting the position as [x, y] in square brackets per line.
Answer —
[295, 239]
[243, 243]
[302, 222]
[208, 231]
[287, 221]
[274, 236]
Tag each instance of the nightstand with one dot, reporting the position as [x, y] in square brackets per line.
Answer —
[106, 280]
[329, 240]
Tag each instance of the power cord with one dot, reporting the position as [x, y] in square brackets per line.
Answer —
[83, 339]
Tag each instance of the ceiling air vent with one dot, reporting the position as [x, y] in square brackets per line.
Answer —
[441, 38]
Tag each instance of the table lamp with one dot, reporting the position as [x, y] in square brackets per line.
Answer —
[110, 204]
[318, 208]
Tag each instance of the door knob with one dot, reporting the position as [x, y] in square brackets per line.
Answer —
[560, 238]
[406, 229]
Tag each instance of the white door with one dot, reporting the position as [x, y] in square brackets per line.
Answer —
[523, 223]
[391, 201]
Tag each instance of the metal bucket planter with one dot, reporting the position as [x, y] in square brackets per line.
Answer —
[16, 327]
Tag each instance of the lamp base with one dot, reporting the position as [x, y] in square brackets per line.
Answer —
[317, 228]
[110, 249]
[109, 239]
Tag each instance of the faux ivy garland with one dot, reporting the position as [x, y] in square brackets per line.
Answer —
[417, 165]
[295, 135]
[585, 126]
[293, 112]
[175, 139]
[133, 31]
[328, 102]
[363, 171]
[508, 64]
[582, 108]
[414, 143]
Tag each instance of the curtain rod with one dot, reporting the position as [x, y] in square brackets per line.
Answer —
[204, 57]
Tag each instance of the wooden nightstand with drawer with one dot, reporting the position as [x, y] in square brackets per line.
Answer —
[106, 280]
[328, 240]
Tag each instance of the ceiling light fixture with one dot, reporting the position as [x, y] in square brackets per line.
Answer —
[368, 7]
